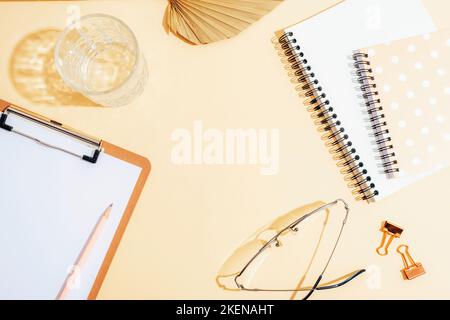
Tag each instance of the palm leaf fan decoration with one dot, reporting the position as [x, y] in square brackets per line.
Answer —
[206, 21]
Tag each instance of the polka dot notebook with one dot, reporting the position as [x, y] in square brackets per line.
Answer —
[405, 87]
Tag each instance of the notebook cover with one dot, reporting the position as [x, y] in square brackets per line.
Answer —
[411, 79]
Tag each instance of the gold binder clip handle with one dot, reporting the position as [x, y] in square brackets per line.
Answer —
[391, 230]
[411, 269]
[383, 250]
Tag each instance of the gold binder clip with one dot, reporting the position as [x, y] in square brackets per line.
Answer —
[388, 229]
[412, 269]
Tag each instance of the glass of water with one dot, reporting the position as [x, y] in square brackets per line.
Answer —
[98, 55]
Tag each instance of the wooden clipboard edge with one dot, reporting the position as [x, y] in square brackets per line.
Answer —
[120, 154]
[143, 163]
[4, 105]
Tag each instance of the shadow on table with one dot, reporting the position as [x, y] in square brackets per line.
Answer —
[33, 72]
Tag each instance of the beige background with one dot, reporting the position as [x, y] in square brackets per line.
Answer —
[189, 218]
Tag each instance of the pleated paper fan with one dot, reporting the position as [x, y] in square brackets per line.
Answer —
[206, 21]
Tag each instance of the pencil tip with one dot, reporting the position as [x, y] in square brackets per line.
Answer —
[108, 211]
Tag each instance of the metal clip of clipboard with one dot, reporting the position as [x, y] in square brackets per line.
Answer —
[53, 125]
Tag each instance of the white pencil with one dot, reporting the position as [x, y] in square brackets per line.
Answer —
[81, 260]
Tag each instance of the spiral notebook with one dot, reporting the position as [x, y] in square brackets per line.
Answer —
[318, 54]
[406, 90]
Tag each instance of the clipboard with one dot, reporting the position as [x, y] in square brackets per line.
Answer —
[99, 147]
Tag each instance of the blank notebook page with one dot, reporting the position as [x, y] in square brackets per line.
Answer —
[328, 40]
[50, 203]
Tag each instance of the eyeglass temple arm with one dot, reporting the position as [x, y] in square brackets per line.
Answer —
[332, 284]
[344, 222]
[313, 288]
[340, 284]
[347, 209]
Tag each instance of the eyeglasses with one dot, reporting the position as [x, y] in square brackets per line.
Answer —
[246, 256]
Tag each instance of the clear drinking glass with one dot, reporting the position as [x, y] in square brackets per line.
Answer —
[98, 55]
